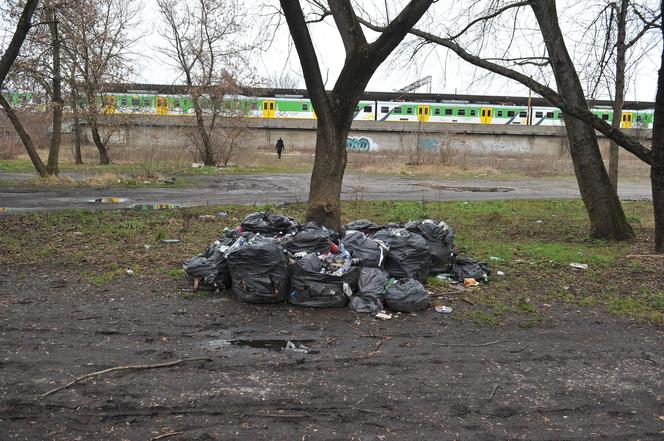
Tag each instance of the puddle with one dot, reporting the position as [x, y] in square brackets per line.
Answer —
[464, 188]
[111, 200]
[300, 346]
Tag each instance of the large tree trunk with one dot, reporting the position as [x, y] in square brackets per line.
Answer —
[56, 134]
[657, 167]
[25, 137]
[619, 97]
[607, 219]
[324, 206]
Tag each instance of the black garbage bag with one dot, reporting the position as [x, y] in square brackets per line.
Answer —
[210, 268]
[363, 225]
[440, 238]
[313, 289]
[465, 268]
[312, 239]
[268, 224]
[370, 291]
[407, 295]
[409, 254]
[259, 272]
[370, 252]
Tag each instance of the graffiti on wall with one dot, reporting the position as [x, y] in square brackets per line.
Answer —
[361, 144]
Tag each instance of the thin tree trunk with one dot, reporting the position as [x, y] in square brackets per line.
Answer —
[208, 154]
[657, 168]
[607, 219]
[94, 128]
[619, 97]
[25, 137]
[54, 149]
[78, 157]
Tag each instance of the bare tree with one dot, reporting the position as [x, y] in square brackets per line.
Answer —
[614, 35]
[334, 109]
[98, 44]
[203, 44]
[606, 215]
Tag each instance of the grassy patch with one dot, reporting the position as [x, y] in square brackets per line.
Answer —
[534, 255]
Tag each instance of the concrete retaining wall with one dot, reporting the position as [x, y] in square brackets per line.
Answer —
[175, 133]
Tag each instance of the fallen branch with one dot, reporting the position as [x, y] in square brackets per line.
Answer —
[166, 435]
[459, 345]
[519, 350]
[122, 368]
[493, 392]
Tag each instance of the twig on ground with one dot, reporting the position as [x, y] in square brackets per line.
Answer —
[644, 255]
[468, 301]
[166, 435]
[123, 368]
[458, 345]
[493, 392]
[519, 350]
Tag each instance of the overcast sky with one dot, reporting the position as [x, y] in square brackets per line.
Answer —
[449, 73]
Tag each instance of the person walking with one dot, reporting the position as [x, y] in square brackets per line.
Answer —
[279, 147]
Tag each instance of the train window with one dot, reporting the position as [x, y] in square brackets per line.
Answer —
[176, 103]
[254, 106]
[523, 114]
[462, 112]
[448, 111]
[305, 106]
[409, 110]
[539, 114]
[135, 102]
[639, 118]
[384, 109]
[510, 113]
[472, 112]
[357, 108]
[549, 115]
[436, 111]
[123, 101]
[499, 113]
[368, 109]
[605, 117]
[397, 110]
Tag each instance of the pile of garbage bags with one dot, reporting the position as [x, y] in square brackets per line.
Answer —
[270, 258]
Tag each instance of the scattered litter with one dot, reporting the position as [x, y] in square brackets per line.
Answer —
[383, 316]
[470, 281]
[206, 217]
[465, 268]
[171, 180]
[500, 273]
[446, 277]
[495, 259]
[579, 265]
[130, 272]
[170, 240]
[146, 246]
[222, 214]
[443, 309]
[77, 233]
[196, 165]
[290, 346]
[539, 221]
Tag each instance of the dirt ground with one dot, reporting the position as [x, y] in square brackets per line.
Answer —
[582, 374]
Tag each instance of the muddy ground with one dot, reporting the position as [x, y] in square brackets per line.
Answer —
[581, 374]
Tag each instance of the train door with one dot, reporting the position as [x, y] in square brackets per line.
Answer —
[485, 115]
[626, 122]
[109, 104]
[423, 113]
[269, 107]
[162, 105]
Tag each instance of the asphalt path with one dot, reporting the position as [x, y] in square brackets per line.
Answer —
[288, 188]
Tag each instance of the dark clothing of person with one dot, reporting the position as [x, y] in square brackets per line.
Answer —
[279, 147]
